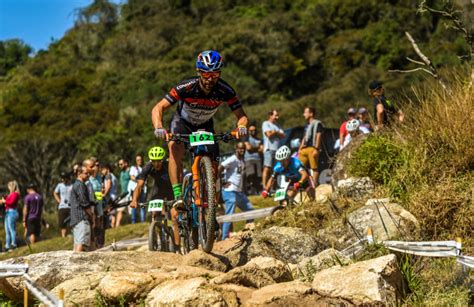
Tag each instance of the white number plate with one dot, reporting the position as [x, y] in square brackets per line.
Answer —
[155, 205]
[280, 195]
[201, 138]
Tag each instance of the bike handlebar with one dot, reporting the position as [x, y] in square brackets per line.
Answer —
[184, 138]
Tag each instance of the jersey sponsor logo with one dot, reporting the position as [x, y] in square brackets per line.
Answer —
[202, 103]
[190, 83]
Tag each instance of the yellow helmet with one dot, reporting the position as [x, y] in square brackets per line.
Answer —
[156, 153]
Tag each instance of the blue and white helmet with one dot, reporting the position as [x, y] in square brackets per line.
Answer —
[209, 61]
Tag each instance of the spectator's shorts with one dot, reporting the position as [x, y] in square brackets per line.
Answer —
[63, 214]
[307, 155]
[269, 158]
[180, 126]
[82, 233]
[253, 167]
[33, 227]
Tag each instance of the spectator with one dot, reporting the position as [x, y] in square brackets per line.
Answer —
[351, 114]
[384, 109]
[363, 120]
[253, 160]
[272, 133]
[124, 180]
[109, 187]
[354, 129]
[75, 168]
[61, 195]
[82, 214]
[11, 214]
[94, 185]
[233, 192]
[134, 171]
[32, 213]
[310, 147]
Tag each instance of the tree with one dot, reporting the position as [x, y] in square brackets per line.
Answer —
[13, 53]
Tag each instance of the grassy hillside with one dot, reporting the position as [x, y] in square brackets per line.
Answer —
[427, 163]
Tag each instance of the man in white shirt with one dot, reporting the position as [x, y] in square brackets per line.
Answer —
[272, 133]
[233, 191]
[132, 184]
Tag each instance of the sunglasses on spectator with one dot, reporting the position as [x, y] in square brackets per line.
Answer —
[210, 75]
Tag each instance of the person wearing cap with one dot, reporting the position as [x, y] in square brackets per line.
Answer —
[61, 194]
[32, 212]
[384, 110]
[364, 121]
[351, 114]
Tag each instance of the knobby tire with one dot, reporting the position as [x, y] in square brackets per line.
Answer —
[207, 216]
[155, 237]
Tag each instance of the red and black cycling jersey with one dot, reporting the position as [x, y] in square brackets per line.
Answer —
[197, 108]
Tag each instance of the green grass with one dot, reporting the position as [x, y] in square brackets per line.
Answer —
[58, 243]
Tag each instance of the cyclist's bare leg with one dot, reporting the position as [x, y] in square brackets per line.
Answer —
[174, 218]
[175, 168]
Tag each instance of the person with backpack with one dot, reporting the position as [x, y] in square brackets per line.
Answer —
[385, 111]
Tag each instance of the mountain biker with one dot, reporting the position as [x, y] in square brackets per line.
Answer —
[158, 170]
[198, 99]
[292, 169]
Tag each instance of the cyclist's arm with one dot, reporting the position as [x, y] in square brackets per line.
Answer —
[304, 175]
[157, 113]
[242, 119]
[270, 183]
[137, 192]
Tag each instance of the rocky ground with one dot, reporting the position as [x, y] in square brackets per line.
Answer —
[276, 266]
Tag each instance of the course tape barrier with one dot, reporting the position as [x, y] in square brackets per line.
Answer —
[248, 215]
[21, 270]
[428, 248]
[466, 260]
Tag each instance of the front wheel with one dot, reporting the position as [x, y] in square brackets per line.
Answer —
[155, 237]
[207, 210]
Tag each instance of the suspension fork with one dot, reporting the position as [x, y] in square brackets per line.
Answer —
[196, 187]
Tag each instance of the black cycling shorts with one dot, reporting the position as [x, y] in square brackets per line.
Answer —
[180, 126]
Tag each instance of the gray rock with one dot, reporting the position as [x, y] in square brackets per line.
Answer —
[372, 282]
[213, 262]
[308, 267]
[191, 292]
[355, 187]
[51, 269]
[287, 244]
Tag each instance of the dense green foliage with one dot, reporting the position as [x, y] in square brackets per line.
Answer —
[92, 91]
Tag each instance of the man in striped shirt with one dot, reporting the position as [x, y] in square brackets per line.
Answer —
[81, 211]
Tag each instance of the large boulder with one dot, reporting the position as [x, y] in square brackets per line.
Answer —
[323, 192]
[81, 289]
[287, 244]
[278, 270]
[126, 286]
[372, 282]
[250, 276]
[213, 262]
[388, 220]
[235, 249]
[355, 187]
[190, 292]
[294, 293]
[308, 267]
[51, 269]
